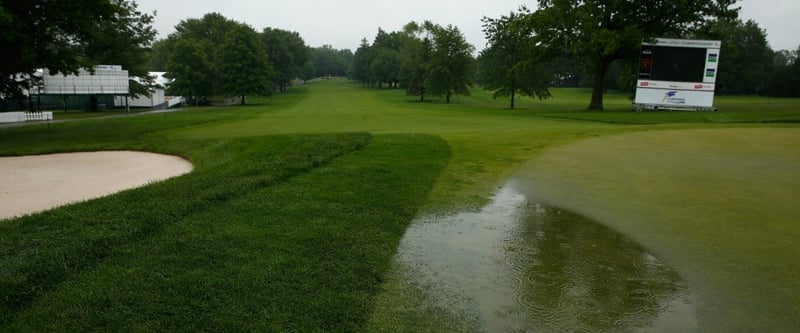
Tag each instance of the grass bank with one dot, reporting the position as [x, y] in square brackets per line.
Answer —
[250, 232]
[283, 236]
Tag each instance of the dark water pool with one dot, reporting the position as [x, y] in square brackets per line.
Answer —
[520, 266]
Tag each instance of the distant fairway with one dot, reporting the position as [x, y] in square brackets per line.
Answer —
[719, 205]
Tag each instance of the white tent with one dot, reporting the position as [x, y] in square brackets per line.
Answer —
[156, 98]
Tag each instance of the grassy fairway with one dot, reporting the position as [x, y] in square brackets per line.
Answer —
[719, 205]
[293, 212]
[487, 141]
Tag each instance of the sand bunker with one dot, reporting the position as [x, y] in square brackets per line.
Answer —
[30, 184]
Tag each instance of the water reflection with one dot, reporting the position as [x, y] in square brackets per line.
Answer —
[517, 265]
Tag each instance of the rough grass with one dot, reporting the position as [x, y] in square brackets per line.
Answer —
[270, 247]
[43, 250]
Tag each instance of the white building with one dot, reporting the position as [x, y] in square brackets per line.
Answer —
[156, 98]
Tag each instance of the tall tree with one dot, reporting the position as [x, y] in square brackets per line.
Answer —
[785, 78]
[243, 66]
[159, 55]
[386, 57]
[65, 36]
[451, 65]
[328, 61]
[189, 69]
[287, 52]
[126, 41]
[217, 56]
[512, 64]
[192, 62]
[600, 32]
[361, 63]
[416, 51]
[746, 56]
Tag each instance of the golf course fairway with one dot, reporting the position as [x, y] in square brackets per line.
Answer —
[718, 205]
[300, 206]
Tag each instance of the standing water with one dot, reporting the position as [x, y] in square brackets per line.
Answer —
[517, 265]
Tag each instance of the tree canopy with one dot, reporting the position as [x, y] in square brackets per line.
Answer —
[243, 64]
[415, 66]
[217, 56]
[451, 66]
[511, 63]
[288, 53]
[785, 70]
[747, 57]
[65, 36]
[327, 61]
[425, 59]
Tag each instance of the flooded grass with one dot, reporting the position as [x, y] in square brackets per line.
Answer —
[719, 205]
[517, 265]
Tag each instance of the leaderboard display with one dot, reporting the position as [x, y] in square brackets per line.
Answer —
[677, 74]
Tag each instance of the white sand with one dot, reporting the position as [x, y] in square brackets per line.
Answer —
[30, 184]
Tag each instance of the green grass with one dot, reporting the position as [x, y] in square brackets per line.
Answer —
[733, 109]
[289, 220]
[264, 244]
[719, 205]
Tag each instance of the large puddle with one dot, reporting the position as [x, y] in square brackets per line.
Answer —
[517, 265]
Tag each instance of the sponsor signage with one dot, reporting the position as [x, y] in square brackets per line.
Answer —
[675, 98]
[676, 85]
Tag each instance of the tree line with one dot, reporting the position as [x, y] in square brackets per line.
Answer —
[588, 43]
[217, 56]
[596, 44]
[577, 43]
[749, 66]
[425, 59]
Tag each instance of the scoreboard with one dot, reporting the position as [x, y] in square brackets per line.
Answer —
[677, 74]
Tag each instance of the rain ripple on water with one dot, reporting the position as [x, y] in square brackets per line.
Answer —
[520, 266]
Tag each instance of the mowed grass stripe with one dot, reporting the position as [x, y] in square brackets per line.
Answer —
[40, 251]
[305, 255]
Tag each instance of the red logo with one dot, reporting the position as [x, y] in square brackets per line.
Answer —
[645, 84]
[698, 86]
[645, 63]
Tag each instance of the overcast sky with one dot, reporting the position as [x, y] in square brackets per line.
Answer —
[343, 23]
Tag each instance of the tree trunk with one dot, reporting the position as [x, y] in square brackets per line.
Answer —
[599, 84]
[242, 99]
[513, 93]
[448, 97]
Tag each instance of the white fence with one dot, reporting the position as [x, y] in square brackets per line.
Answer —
[172, 101]
[17, 117]
[12, 117]
[39, 115]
